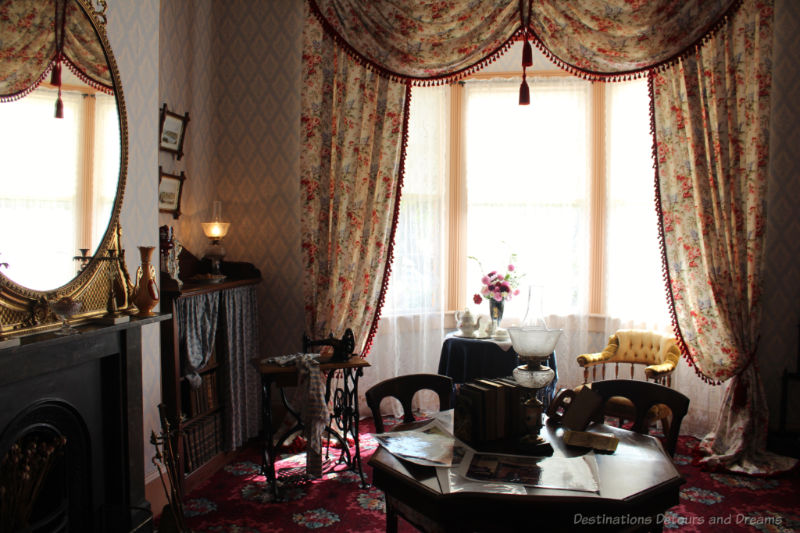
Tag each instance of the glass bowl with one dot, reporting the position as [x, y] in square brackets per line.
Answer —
[64, 309]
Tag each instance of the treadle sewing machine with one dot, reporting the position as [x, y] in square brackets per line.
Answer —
[342, 348]
[344, 412]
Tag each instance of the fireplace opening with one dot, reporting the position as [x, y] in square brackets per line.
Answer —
[45, 471]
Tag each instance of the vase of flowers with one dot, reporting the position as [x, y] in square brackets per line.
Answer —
[498, 287]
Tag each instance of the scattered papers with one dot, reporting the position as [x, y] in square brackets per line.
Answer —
[576, 473]
[429, 445]
[451, 482]
[460, 468]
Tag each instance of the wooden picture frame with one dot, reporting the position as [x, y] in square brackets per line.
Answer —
[170, 191]
[172, 131]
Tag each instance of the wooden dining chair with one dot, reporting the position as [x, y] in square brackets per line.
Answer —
[644, 395]
[403, 388]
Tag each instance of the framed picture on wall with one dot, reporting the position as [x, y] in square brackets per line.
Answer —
[172, 131]
[170, 189]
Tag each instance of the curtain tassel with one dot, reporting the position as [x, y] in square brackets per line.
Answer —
[527, 61]
[55, 75]
[527, 53]
[55, 79]
[524, 92]
[59, 105]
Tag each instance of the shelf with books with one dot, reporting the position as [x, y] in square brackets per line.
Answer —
[197, 410]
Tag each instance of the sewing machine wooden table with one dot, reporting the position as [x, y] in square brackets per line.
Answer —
[344, 410]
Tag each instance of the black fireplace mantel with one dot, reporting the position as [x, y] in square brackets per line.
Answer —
[97, 375]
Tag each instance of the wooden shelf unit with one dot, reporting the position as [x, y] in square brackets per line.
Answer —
[197, 413]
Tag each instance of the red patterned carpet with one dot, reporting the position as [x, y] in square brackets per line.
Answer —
[236, 500]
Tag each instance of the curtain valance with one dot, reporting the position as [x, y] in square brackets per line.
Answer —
[421, 40]
[597, 39]
[601, 38]
[33, 40]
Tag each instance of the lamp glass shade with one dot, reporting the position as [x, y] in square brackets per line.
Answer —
[533, 344]
[215, 230]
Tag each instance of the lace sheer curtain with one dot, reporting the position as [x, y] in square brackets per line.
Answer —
[106, 162]
[411, 330]
[634, 287]
[527, 172]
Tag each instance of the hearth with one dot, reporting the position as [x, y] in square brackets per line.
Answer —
[84, 390]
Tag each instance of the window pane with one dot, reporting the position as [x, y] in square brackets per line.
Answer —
[106, 162]
[417, 281]
[48, 204]
[527, 172]
[634, 284]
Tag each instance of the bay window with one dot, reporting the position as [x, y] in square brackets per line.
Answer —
[566, 184]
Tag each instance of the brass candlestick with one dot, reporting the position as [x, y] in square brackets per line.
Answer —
[113, 313]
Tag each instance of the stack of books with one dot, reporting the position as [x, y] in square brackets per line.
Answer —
[490, 409]
[204, 398]
[202, 440]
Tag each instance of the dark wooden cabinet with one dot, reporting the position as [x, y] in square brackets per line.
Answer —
[198, 412]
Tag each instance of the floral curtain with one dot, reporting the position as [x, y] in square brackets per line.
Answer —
[711, 117]
[31, 46]
[353, 130]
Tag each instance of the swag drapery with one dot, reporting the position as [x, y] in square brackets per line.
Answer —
[38, 37]
[351, 170]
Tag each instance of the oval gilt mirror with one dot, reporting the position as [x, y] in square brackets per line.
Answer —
[63, 155]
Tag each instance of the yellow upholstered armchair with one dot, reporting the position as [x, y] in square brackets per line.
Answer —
[656, 352]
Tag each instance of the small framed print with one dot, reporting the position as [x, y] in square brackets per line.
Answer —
[170, 189]
[172, 131]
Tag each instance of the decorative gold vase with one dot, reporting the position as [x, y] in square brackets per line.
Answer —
[145, 293]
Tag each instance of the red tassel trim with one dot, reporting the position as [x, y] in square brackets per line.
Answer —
[527, 53]
[28, 90]
[387, 272]
[91, 82]
[55, 75]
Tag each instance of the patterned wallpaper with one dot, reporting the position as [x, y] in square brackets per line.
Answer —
[133, 32]
[256, 161]
[235, 66]
[778, 349]
[185, 84]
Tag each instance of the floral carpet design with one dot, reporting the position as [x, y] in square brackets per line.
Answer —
[237, 499]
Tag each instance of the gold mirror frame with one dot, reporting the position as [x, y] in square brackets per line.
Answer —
[23, 310]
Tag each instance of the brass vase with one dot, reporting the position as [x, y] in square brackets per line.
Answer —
[145, 293]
